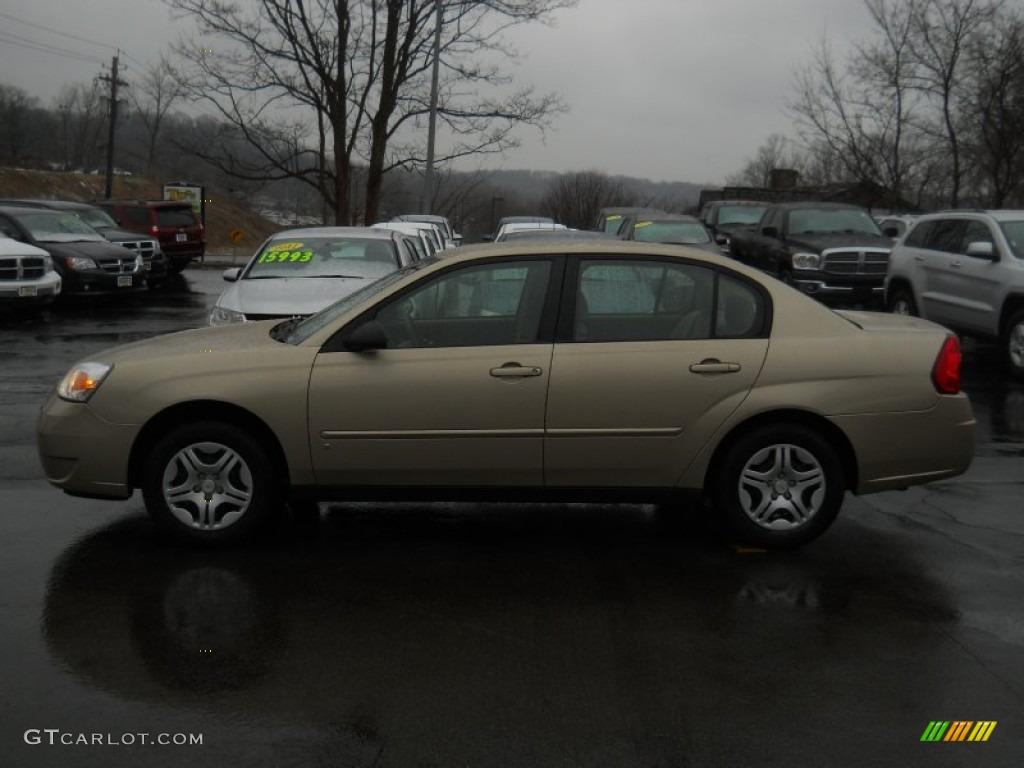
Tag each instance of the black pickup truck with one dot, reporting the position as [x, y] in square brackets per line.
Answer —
[831, 251]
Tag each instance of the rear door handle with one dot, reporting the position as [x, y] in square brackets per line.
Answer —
[712, 365]
[515, 371]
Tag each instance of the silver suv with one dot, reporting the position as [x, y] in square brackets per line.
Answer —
[965, 270]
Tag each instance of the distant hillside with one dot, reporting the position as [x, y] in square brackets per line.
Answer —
[222, 215]
[532, 185]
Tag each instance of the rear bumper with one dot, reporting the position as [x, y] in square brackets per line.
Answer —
[897, 450]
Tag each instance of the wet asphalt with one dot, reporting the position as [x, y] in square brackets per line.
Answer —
[500, 635]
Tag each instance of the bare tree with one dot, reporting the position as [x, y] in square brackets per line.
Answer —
[994, 102]
[152, 95]
[575, 199]
[83, 113]
[942, 31]
[317, 86]
[16, 106]
[776, 152]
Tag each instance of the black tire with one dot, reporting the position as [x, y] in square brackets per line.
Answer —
[760, 498]
[901, 302]
[228, 488]
[1013, 344]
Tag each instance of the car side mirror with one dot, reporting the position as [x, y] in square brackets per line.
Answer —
[368, 336]
[982, 250]
[892, 232]
[231, 275]
[721, 239]
[770, 231]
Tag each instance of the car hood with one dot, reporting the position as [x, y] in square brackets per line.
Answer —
[840, 240]
[9, 247]
[240, 338]
[287, 296]
[92, 250]
[115, 235]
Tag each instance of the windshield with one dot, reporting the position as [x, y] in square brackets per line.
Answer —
[676, 232]
[1014, 232]
[96, 218]
[310, 325]
[59, 228]
[832, 221]
[740, 214]
[324, 257]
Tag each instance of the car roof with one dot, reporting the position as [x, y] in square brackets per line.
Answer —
[624, 249]
[366, 233]
[20, 210]
[145, 203]
[808, 204]
[1000, 214]
[53, 205]
[670, 217]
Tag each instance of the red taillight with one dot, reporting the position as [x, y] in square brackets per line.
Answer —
[946, 372]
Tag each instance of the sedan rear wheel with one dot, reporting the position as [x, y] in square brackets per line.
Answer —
[1014, 344]
[210, 482]
[780, 486]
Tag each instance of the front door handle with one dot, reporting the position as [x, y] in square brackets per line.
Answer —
[515, 371]
[713, 365]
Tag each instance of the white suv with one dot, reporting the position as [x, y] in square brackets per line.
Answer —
[965, 270]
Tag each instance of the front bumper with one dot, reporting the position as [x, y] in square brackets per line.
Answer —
[96, 282]
[82, 454]
[31, 292]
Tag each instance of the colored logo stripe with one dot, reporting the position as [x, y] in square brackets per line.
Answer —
[958, 730]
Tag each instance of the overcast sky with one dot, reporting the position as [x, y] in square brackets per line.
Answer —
[671, 90]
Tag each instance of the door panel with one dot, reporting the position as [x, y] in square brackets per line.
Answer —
[634, 414]
[429, 417]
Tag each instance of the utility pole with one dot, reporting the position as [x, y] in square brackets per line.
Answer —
[428, 181]
[114, 82]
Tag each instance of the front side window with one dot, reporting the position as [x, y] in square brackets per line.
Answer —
[975, 232]
[137, 216]
[479, 305]
[1014, 232]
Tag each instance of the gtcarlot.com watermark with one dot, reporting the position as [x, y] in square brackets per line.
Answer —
[56, 737]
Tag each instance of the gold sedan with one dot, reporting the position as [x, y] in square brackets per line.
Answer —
[577, 370]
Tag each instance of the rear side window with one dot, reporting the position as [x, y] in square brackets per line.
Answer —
[136, 216]
[175, 217]
[918, 236]
[947, 235]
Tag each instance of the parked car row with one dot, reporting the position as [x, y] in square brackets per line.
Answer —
[104, 248]
[298, 272]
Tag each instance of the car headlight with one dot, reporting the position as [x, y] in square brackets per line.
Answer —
[79, 262]
[224, 316]
[81, 381]
[806, 260]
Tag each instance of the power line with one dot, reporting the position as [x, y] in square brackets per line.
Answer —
[40, 47]
[56, 31]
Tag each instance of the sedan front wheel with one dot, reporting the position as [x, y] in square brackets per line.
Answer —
[779, 486]
[210, 482]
